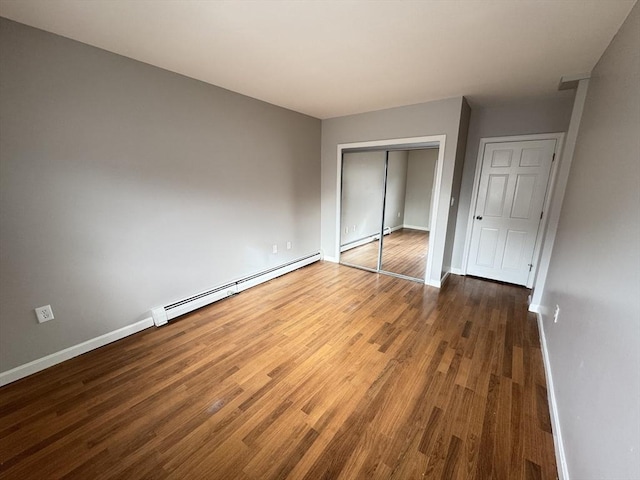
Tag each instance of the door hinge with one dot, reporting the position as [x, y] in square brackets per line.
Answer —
[530, 266]
[553, 159]
[541, 213]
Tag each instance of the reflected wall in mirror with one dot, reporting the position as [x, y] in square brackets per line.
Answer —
[363, 175]
[396, 186]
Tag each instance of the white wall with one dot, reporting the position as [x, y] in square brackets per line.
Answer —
[124, 187]
[420, 175]
[434, 118]
[544, 116]
[594, 275]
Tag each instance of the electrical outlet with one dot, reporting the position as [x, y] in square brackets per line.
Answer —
[556, 313]
[288, 245]
[354, 228]
[398, 214]
[275, 248]
[346, 230]
[44, 314]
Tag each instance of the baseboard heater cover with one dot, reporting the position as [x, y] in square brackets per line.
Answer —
[162, 315]
[364, 240]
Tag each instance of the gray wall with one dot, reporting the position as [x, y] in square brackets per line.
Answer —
[124, 187]
[456, 187]
[594, 275]
[433, 118]
[420, 176]
[362, 191]
[544, 116]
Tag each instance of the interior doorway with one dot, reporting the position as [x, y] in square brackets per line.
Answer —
[388, 203]
[514, 179]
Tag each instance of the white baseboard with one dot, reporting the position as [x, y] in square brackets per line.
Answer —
[330, 259]
[50, 360]
[563, 471]
[457, 271]
[438, 283]
[416, 227]
[393, 229]
[68, 353]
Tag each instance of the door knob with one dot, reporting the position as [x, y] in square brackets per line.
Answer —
[478, 217]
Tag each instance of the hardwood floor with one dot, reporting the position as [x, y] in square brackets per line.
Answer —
[328, 372]
[403, 251]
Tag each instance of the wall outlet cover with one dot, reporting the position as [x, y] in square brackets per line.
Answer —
[44, 314]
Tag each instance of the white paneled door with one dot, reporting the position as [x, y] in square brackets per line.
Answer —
[511, 193]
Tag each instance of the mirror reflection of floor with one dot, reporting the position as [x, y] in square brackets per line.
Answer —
[404, 252]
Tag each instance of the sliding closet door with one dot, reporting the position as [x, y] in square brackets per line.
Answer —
[363, 175]
[410, 176]
[393, 255]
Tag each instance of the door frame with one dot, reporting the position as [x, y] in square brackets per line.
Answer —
[430, 141]
[551, 185]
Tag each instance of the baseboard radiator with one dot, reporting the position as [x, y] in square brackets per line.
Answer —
[161, 315]
[364, 240]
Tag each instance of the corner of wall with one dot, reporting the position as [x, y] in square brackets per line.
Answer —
[461, 146]
[563, 471]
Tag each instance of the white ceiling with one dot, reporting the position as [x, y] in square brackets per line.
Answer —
[332, 58]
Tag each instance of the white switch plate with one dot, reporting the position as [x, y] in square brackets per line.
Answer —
[288, 245]
[44, 314]
[275, 249]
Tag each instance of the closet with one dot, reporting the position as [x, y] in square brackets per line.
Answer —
[386, 203]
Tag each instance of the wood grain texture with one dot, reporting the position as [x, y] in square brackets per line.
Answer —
[327, 372]
[403, 251]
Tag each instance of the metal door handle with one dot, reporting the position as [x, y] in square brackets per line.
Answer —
[478, 217]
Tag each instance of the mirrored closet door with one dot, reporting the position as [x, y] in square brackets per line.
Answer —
[385, 210]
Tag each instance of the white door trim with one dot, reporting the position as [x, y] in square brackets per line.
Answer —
[413, 142]
[559, 138]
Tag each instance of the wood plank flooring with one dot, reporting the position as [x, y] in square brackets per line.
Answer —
[328, 372]
[403, 251]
